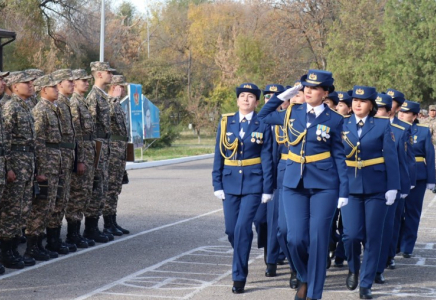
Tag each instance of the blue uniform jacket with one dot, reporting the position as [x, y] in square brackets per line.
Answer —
[376, 140]
[279, 149]
[410, 152]
[243, 180]
[329, 173]
[423, 147]
[401, 142]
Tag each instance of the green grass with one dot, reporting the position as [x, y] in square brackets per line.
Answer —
[186, 145]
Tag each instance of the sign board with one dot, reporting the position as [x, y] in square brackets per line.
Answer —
[136, 118]
[151, 115]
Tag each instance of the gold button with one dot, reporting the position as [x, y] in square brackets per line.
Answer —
[242, 143]
[358, 158]
[240, 152]
[358, 151]
[240, 171]
[358, 143]
[302, 152]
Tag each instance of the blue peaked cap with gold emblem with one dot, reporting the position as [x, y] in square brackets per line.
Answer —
[334, 97]
[384, 100]
[364, 92]
[318, 78]
[396, 95]
[345, 97]
[273, 89]
[412, 106]
[250, 88]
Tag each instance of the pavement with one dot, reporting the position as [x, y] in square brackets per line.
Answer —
[177, 249]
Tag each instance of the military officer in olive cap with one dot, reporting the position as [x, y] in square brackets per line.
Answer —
[20, 165]
[117, 157]
[98, 105]
[82, 179]
[67, 146]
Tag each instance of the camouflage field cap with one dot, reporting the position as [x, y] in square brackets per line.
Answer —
[43, 81]
[63, 74]
[80, 74]
[101, 66]
[118, 80]
[432, 107]
[18, 77]
[4, 74]
[35, 72]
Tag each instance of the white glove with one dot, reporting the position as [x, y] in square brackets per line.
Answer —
[430, 186]
[390, 197]
[412, 187]
[289, 93]
[219, 194]
[403, 196]
[266, 198]
[342, 202]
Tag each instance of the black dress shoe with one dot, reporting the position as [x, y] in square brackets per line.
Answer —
[379, 278]
[352, 280]
[271, 270]
[391, 263]
[293, 281]
[329, 263]
[238, 287]
[365, 293]
[281, 262]
[407, 255]
[339, 262]
[296, 294]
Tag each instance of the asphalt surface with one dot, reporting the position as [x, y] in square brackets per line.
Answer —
[177, 249]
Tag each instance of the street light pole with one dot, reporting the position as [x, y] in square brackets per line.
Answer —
[102, 32]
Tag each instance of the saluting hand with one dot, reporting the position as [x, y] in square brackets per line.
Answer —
[289, 93]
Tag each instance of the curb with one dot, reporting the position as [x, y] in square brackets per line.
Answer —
[159, 163]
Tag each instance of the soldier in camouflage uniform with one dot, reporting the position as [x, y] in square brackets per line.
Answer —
[2, 83]
[67, 146]
[33, 100]
[48, 163]
[7, 89]
[98, 105]
[20, 165]
[81, 180]
[117, 156]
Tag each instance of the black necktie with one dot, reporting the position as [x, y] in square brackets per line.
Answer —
[243, 125]
[311, 116]
[360, 126]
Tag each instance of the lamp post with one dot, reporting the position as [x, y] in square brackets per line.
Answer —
[102, 32]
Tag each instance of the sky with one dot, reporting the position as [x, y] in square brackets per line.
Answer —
[141, 5]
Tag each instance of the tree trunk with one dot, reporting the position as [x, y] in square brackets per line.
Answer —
[198, 136]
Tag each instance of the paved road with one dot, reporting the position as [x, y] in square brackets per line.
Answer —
[178, 250]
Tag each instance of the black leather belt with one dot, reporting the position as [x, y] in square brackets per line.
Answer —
[22, 148]
[103, 135]
[68, 145]
[119, 138]
[52, 145]
[88, 137]
[2, 152]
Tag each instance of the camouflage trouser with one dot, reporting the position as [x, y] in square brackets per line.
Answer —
[16, 200]
[117, 165]
[58, 212]
[42, 207]
[100, 184]
[81, 186]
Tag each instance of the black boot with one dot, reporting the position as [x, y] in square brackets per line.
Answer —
[114, 220]
[52, 254]
[90, 242]
[73, 237]
[32, 249]
[54, 242]
[71, 247]
[2, 269]
[23, 239]
[8, 258]
[109, 226]
[92, 232]
[28, 261]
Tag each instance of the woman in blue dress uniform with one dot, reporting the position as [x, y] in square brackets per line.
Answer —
[425, 177]
[315, 181]
[373, 182]
[242, 175]
[384, 104]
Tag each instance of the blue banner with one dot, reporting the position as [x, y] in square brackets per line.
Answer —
[136, 119]
[151, 119]
[125, 105]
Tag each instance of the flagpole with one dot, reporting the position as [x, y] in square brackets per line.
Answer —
[102, 32]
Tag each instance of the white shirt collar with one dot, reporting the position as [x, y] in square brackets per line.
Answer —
[247, 117]
[358, 119]
[318, 109]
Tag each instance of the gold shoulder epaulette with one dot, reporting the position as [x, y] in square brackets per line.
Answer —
[422, 125]
[347, 116]
[228, 115]
[407, 122]
[337, 113]
[398, 126]
[380, 117]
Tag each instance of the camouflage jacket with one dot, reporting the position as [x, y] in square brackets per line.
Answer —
[2, 157]
[431, 122]
[66, 119]
[5, 99]
[99, 107]
[48, 130]
[19, 129]
[31, 102]
[83, 124]
[118, 118]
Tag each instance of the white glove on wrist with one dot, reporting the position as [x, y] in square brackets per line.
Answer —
[266, 198]
[219, 194]
[390, 197]
[412, 187]
[430, 186]
[342, 202]
[403, 196]
[289, 93]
